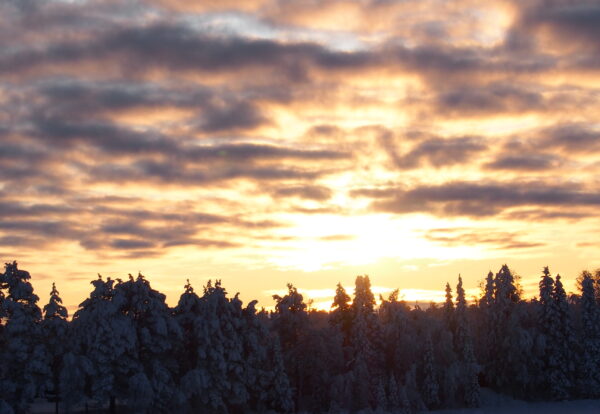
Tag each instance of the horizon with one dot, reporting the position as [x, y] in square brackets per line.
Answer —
[322, 299]
[267, 142]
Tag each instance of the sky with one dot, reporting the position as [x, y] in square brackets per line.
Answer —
[262, 142]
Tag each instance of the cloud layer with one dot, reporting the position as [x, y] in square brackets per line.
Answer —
[143, 128]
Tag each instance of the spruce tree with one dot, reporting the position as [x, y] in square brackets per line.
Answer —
[54, 332]
[277, 393]
[104, 339]
[430, 385]
[398, 400]
[219, 364]
[290, 322]
[151, 366]
[192, 374]
[341, 312]
[449, 308]
[413, 392]
[484, 316]
[366, 361]
[554, 324]
[22, 359]
[488, 297]
[510, 343]
[398, 339]
[564, 343]
[589, 380]
[470, 390]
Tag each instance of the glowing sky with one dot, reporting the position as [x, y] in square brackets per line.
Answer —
[272, 141]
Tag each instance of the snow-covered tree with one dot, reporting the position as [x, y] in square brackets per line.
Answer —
[341, 312]
[509, 342]
[589, 378]
[151, 365]
[483, 334]
[103, 341]
[219, 330]
[470, 390]
[277, 392]
[554, 324]
[398, 400]
[54, 333]
[22, 360]
[489, 291]
[399, 341]
[192, 375]
[430, 384]
[366, 362]
[562, 380]
[449, 308]
[413, 393]
[290, 322]
[264, 372]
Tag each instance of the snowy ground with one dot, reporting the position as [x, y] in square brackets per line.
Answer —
[493, 404]
[500, 404]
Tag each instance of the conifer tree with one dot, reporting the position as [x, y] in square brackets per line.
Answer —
[555, 374]
[341, 312]
[430, 386]
[413, 393]
[54, 333]
[150, 367]
[471, 392]
[561, 380]
[277, 393]
[218, 376]
[488, 297]
[192, 376]
[22, 360]
[366, 362]
[398, 339]
[381, 398]
[398, 400]
[508, 364]
[103, 341]
[589, 381]
[290, 322]
[548, 308]
[449, 308]
[484, 334]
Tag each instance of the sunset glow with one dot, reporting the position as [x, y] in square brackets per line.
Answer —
[264, 142]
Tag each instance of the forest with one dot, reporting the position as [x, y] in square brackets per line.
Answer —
[126, 350]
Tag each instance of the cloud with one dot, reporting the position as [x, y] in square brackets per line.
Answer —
[240, 115]
[131, 244]
[309, 192]
[472, 237]
[118, 228]
[491, 99]
[463, 198]
[526, 162]
[570, 137]
[131, 129]
[180, 48]
[435, 152]
[176, 174]
[538, 215]
[574, 25]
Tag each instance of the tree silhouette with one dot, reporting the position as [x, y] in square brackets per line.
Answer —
[125, 347]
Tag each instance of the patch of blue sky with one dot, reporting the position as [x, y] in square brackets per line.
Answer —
[238, 24]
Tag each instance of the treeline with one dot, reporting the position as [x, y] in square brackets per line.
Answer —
[126, 348]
